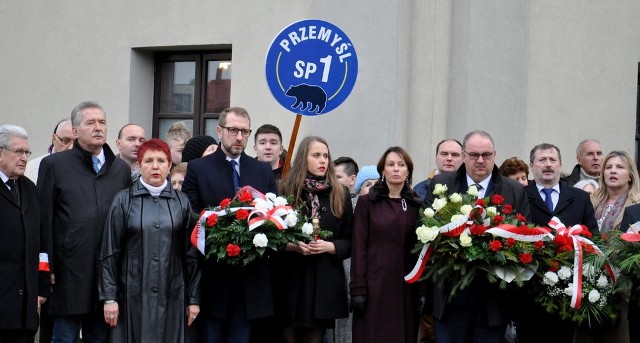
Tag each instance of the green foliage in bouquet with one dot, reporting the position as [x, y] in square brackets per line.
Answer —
[252, 225]
[623, 250]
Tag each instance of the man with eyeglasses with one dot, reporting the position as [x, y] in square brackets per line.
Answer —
[61, 140]
[25, 286]
[232, 296]
[477, 313]
[76, 188]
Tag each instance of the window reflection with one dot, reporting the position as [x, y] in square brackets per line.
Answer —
[218, 86]
[177, 87]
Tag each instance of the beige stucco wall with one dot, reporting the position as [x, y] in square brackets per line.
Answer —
[526, 71]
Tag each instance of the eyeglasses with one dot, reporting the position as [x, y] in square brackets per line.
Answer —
[474, 155]
[20, 152]
[65, 141]
[233, 131]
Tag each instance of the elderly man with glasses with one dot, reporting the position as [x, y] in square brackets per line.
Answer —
[477, 313]
[232, 296]
[61, 140]
[24, 284]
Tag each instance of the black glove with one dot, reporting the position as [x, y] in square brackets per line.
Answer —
[358, 304]
[422, 303]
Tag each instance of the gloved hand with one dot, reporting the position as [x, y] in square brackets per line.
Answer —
[422, 303]
[358, 304]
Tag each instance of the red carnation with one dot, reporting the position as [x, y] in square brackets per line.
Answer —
[525, 258]
[511, 242]
[477, 230]
[497, 199]
[242, 214]
[589, 249]
[245, 196]
[507, 209]
[495, 245]
[498, 219]
[212, 220]
[480, 202]
[554, 266]
[521, 218]
[225, 203]
[538, 245]
[233, 250]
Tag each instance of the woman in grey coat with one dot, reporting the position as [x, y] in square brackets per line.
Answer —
[150, 277]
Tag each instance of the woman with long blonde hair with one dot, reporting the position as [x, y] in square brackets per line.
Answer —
[313, 292]
[619, 188]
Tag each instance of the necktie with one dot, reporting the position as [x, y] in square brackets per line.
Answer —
[236, 176]
[96, 164]
[13, 188]
[547, 198]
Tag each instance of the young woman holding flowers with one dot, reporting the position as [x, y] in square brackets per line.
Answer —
[313, 291]
[385, 307]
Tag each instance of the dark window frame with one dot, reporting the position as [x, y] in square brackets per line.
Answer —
[199, 114]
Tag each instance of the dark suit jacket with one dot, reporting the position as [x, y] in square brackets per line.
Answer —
[208, 181]
[479, 290]
[631, 216]
[19, 249]
[574, 207]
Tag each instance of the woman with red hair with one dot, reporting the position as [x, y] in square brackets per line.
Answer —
[150, 281]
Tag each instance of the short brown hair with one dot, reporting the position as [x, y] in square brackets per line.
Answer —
[512, 166]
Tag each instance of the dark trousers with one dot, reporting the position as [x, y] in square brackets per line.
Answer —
[467, 324]
[235, 329]
[67, 328]
[16, 336]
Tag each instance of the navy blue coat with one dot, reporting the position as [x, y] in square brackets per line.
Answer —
[208, 181]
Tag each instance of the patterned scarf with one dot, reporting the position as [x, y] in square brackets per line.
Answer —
[607, 215]
[313, 185]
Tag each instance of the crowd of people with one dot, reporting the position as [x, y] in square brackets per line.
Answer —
[96, 244]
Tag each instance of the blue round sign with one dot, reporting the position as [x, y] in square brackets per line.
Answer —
[311, 67]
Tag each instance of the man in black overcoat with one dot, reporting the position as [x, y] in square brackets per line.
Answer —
[231, 296]
[478, 313]
[24, 284]
[76, 188]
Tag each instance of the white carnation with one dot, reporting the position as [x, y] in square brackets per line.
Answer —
[466, 209]
[564, 273]
[260, 240]
[594, 295]
[439, 203]
[550, 278]
[291, 219]
[429, 212]
[569, 290]
[261, 204]
[307, 229]
[473, 191]
[440, 189]
[427, 234]
[602, 281]
[270, 196]
[491, 211]
[588, 270]
[465, 240]
[455, 198]
[280, 201]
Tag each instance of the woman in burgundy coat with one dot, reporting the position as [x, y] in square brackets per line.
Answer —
[385, 307]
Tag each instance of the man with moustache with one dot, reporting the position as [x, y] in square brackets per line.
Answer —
[25, 281]
[448, 159]
[233, 297]
[549, 197]
[589, 156]
[130, 137]
[478, 313]
[76, 188]
[61, 140]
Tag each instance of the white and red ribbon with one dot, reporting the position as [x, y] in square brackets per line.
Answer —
[274, 215]
[578, 257]
[43, 263]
